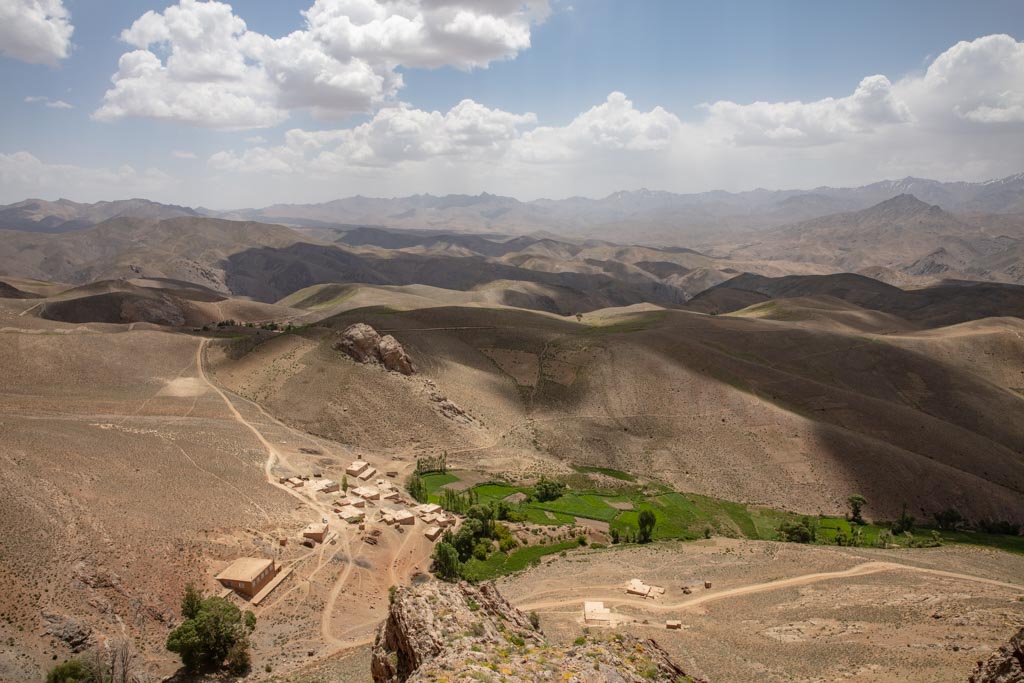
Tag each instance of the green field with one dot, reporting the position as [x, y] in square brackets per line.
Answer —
[499, 564]
[683, 516]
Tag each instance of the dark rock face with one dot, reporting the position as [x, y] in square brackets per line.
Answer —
[1005, 665]
[75, 634]
[461, 632]
[363, 344]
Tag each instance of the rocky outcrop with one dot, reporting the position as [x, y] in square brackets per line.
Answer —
[1005, 665]
[74, 633]
[363, 344]
[461, 632]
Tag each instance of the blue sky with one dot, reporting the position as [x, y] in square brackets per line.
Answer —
[543, 81]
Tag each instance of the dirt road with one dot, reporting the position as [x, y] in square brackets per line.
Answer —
[858, 570]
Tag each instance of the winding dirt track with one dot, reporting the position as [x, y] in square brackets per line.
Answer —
[858, 570]
[273, 457]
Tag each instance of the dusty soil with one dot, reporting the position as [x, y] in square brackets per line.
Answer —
[784, 612]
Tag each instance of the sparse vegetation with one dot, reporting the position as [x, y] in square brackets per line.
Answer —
[856, 503]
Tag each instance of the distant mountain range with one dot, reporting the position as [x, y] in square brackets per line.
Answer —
[582, 253]
[640, 216]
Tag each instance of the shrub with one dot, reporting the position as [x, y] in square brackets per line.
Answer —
[238, 662]
[948, 519]
[71, 671]
[992, 526]
[794, 532]
[535, 620]
[546, 490]
[905, 523]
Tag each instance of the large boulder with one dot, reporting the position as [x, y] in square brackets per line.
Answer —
[1005, 665]
[363, 344]
[393, 356]
[460, 632]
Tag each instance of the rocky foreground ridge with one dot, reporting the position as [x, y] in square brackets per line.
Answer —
[459, 632]
[1005, 665]
[364, 344]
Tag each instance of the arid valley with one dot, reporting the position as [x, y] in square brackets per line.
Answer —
[511, 341]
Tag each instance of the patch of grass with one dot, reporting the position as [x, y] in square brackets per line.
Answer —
[590, 506]
[436, 480]
[538, 516]
[634, 323]
[499, 564]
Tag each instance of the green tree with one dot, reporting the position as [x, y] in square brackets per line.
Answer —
[856, 503]
[647, 521]
[446, 562]
[417, 489]
[206, 639]
[191, 601]
[546, 490]
[71, 671]
[949, 519]
[794, 532]
[905, 523]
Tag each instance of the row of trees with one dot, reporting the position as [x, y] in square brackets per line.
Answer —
[417, 488]
[432, 463]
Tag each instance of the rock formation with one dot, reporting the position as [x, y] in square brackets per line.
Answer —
[1005, 665]
[363, 344]
[459, 632]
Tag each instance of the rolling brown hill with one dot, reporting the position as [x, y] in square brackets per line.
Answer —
[945, 304]
[763, 411]
[9, 291]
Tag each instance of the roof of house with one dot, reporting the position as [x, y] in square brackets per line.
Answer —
[245, 569]
[315, 528]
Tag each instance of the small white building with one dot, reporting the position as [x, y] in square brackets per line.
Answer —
[596, 613]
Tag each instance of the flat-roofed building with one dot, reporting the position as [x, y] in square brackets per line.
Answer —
[367, 492]
[356, 468]
[352, 514]
[596, 613]
[328, 486]
[404, 517]
[432, 532]
[247, 575]
[316, 531]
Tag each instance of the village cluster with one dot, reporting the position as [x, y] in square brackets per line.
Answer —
[374, 501]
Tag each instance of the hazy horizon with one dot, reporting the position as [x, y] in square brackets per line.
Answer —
[222, 106]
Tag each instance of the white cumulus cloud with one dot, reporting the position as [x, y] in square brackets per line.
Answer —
[198, 63]
[24, 175]
[47, 102]
[35, 31]
[870, 106]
